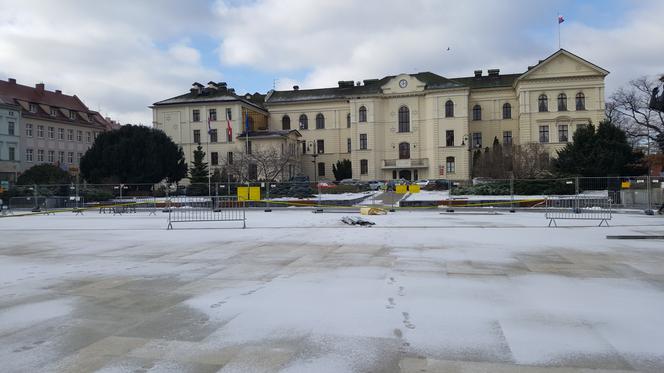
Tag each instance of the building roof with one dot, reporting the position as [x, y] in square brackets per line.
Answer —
[373, 86]
[41, 96]
[565, 52]
[432, 81]
[45, 100]
[8, 102]
[486, 81]
[214, 92]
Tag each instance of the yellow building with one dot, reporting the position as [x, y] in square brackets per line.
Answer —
[227, 126]
[422, 125]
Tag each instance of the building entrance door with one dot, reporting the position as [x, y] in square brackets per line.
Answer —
[405, 174]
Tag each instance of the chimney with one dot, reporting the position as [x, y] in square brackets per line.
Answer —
[196, 88]
[346, 83]
[11, 81]
[231, 91]
[58, 92]
[478, 73]
[494, 72]
[39, 87]
[296, 87]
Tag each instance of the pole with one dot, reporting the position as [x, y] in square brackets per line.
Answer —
[34, 194]
[648, 190]
[576, 191]
[558, 20]
[512, 194]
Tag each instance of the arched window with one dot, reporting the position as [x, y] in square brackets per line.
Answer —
[285, 122]
[477, 112]
[562, 102]
[404, 150]
[404, 119]
[348, 120]
[580, 101]
[304, 122]
[320, 121]
[543, 103]
[363, 114]
[507, 111]
[449, 109]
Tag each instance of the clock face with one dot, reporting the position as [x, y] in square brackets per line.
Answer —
[403, 83]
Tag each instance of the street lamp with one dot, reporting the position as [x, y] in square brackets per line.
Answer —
[312, 147]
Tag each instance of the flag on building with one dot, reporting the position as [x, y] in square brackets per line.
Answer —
[247, 127]
[561, 19]
[229, 127]
[209, 125]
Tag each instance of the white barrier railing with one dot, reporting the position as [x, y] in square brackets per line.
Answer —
[205, 209]
[578, 208]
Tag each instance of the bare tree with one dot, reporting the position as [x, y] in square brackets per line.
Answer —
[268, 163]
[629, 107]
[520, 161]
[530, 161]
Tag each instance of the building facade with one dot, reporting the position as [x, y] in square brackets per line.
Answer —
[10, 148]
[227, 127]
[423, 125]
[55, 128]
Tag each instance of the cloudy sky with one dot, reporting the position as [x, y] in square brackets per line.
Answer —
[121, 56]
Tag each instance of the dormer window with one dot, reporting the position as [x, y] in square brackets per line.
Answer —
[72, 114]
[32, 108]
[54, 111]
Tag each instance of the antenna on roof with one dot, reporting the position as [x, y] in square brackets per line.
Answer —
[274, 83]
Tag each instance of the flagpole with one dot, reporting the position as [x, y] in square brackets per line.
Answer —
[558, 20]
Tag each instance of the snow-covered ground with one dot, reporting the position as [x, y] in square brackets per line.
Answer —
[436, 195]
[330, 197]
[302, 292]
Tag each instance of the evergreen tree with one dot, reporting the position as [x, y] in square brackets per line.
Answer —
[133, 154]
[44, 174]
[601, 151]
[198, 173]
[343, 169]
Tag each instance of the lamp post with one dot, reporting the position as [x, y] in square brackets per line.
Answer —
[314, 153]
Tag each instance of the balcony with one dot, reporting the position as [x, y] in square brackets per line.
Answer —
[406, 163]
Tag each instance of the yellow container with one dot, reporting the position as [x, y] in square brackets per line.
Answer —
[248, 193]
[242, 193]
[414, 188]
[254, 193]
[625, 184]
[401, 189]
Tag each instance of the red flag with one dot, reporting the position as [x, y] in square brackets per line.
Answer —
[561, 19]
[229, 128]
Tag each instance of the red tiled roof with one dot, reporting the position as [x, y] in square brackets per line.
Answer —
[23, 96]
[31, 94]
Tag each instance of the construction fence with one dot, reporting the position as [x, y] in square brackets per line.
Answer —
[629, 193]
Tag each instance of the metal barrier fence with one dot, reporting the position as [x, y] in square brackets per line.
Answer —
[205, 209]
[578, 208]
[644, 193]
[129, 206]
[46, 204]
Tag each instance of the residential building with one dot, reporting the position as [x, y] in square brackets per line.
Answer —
[10, 147]
[52, 121]
[419, 125]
